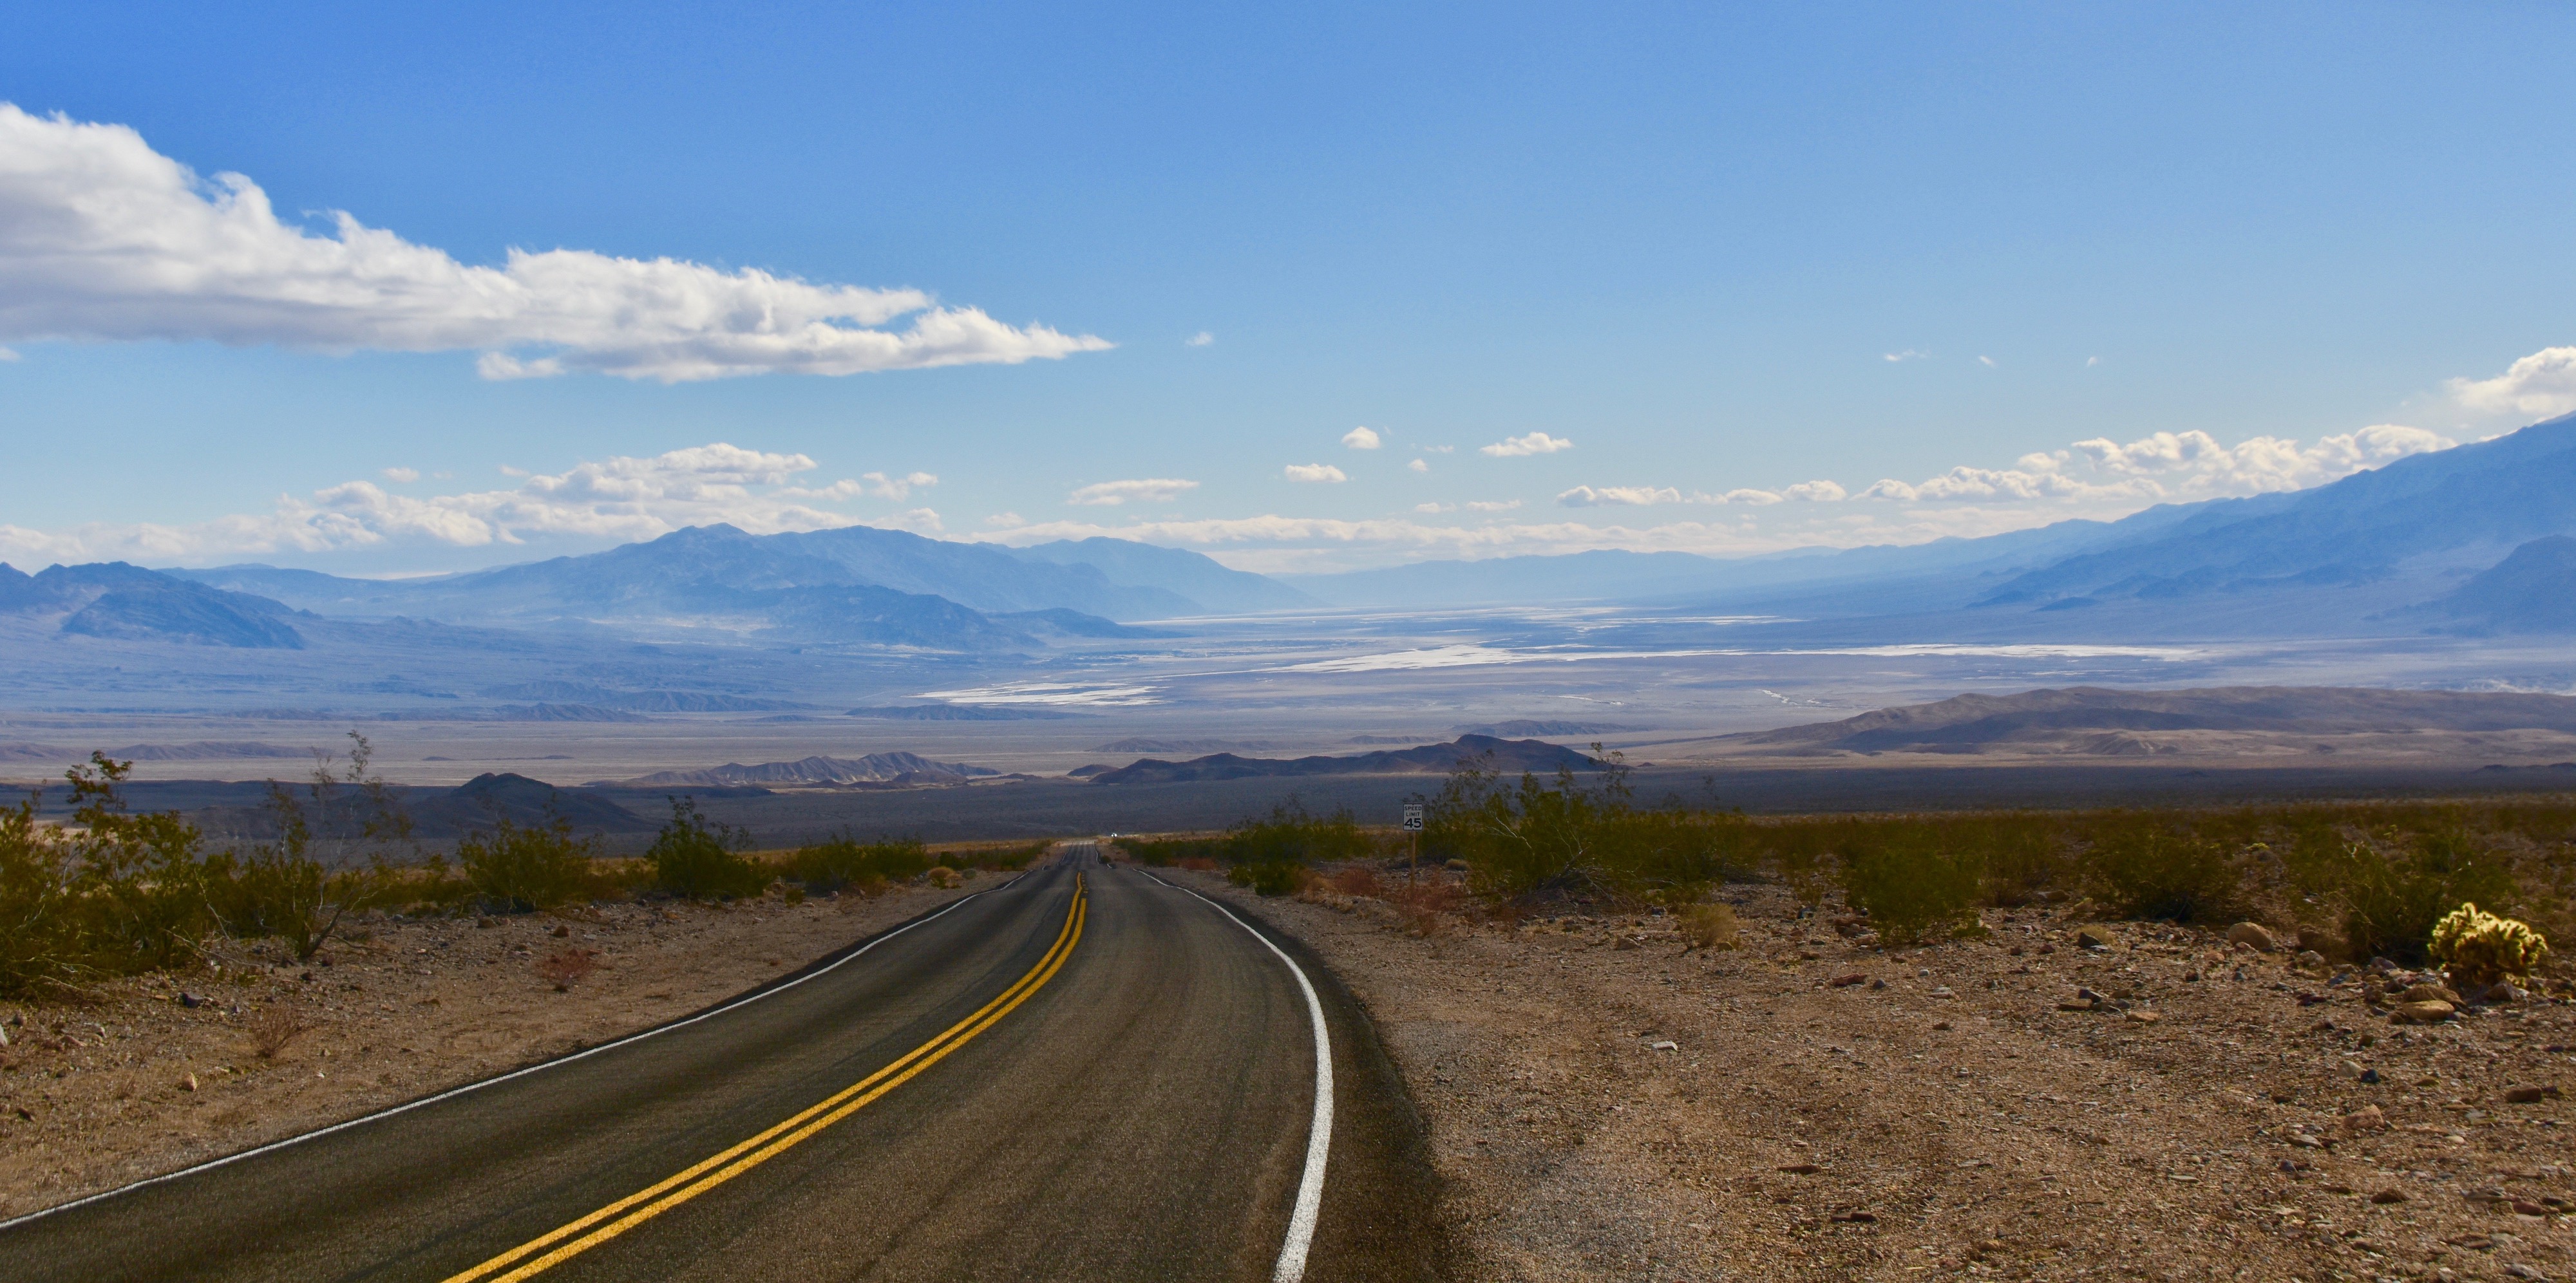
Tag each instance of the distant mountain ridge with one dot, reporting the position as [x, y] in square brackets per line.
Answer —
[1508, 756]
[2079, 717]
[875, 768]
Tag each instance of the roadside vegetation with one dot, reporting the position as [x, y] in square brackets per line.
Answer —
[2352, 880]
[115, 892]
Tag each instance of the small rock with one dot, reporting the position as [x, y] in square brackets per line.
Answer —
[1842, 982]
[2422, 1013]
[2095, 937]
[188, 1083]
[1878, 984]
[1798, 1169]
[2310, 960]
[2528, 1095]
[2520, 1271]
[1940, 1024]
[2525, 1207]
[2365, 1119]
[1857, 1218]
[190, 1000]
[1623, 943]
[2388, 1196]
[1942, 991]
[2255, 934]
[2429, 993]
[2077, 1004]
[2370, 1076]
[2503, 994]
[1664, 1045]
[2144, 1017]
[563, 930]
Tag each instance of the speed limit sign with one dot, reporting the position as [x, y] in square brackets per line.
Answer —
[1413, 818]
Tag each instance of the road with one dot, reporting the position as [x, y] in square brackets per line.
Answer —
[1084, 1074]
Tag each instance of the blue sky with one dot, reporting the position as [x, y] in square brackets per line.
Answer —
[1686, 239]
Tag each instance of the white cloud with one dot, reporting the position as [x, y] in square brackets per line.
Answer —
[1315, 472]
[1518, 447]
[897, 488]
[1815, 492]
[1621, 496]
[1908, 354]
[1492, 505]
[1005, 520]
[1360, 439]
[1435, 507]
[1110, 494]
[2542, 385]
[1200, 339]
[1986, 361]
[102, 238]
[1417, 466]
[404, 476]
[7, 355]
[621, 498]
[2170, 466]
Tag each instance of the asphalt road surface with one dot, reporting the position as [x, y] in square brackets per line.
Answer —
[1083, 1074]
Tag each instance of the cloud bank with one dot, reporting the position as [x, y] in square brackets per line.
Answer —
[1524, 446]
[103, 238]
[2542, 384]
[2169, 467]
[1315, 472]
[1110, 494]
[620, 498]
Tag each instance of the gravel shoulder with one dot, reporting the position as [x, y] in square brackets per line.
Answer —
[1646, 1112]
[151, 1074]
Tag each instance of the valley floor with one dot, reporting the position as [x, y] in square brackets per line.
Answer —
[1645, 1113]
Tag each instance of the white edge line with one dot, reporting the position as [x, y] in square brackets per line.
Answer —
[1319, 1133]
[586, 1053]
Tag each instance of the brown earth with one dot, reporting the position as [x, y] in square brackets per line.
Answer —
[132, 1081]
[1652, 1113]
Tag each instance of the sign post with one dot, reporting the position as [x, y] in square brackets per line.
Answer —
[1413, 830]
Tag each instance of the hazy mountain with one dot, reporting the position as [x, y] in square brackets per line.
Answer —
[113, 599]
[2533, 590]
[490, 799]
[1508, 756]
[2461, 507]
[1201, 579]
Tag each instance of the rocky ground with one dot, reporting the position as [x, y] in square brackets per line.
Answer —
[150, 1074]
[1813, 1107]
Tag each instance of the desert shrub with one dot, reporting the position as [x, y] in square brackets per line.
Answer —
[843, 860]
[522, 870]
[1268, 877]
[2393, 900]
[1423, 908]
[2481, 948]
[694, 858]
[1001, 858]
[1798, 852]
[1912, 885]
[1709, 926]
[276, 1029]
[2146, 870]
[1358, 881]
[43, 937]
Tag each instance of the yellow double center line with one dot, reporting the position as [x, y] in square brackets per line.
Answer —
[553, 1248]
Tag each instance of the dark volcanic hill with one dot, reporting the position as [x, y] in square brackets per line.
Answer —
[478, 804]
[1508, 756]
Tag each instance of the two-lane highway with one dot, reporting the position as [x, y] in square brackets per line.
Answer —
[1085, 1073]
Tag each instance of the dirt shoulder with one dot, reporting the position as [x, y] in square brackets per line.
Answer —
[151, 1074]
[1599, 1112]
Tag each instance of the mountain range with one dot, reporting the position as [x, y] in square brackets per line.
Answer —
[1507, 756]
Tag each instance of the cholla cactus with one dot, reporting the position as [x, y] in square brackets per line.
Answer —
[2482, 948]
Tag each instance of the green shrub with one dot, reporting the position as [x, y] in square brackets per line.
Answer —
[43, 940]
[2393, 901]
[1912, 886]
[831, 865]
[522, 870]
[1268, 877]
[2147, 871]
[694, 859]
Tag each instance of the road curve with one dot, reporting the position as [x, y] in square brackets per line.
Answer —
[1085, 1073]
